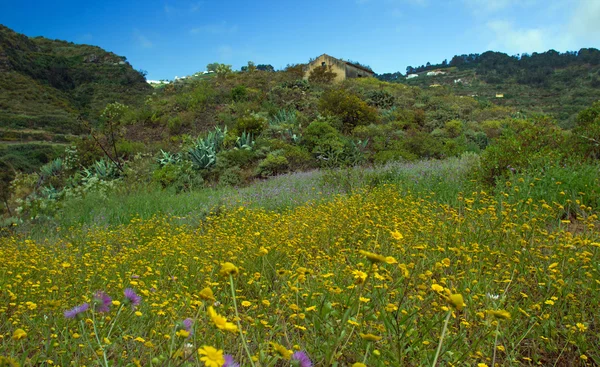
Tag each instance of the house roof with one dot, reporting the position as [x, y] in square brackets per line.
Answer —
[350, 63]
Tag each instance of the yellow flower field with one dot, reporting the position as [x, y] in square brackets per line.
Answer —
[376, 278]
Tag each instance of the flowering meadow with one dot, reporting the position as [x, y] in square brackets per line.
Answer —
[375, 278]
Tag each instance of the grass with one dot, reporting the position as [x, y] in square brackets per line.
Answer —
[443, 180]
[382, 276]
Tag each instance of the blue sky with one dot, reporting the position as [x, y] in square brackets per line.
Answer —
[179, 37]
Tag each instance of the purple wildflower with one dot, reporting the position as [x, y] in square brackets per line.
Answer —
[187, 324]
[229, 362]
[302, 358]
[132, 298]
[102, 302]
[76, 311]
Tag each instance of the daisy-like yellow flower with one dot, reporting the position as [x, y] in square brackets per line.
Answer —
[282, 351]
[228, 269]
[359, 364]
[359, 276]
[246, 304]
[220, 321]
[211, 357]
[207, 294]
[19, 334]
[372, 257]
[499, 314]
[456, 301]
[396, 235]
[370, 337]
[437, 288]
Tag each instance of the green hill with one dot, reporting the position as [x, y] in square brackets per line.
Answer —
[54, 85]
[558, 84]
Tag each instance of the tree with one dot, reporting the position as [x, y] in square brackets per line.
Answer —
[223, 70]
[212, 67]
[112, 131]
[263, 67]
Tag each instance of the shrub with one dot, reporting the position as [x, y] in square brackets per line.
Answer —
[352, 110]
[252, 124]
[232, 176]
[235, 157]
[322, 75]
[586, 135]
[272, 165]
[181, 177]
[524, 144]
[380, 99]
[239, 93]
[321, 134]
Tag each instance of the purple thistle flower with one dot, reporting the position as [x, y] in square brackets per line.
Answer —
[302, 358]
[187, 324]
[229, 362]
[76, 311]
[132, 298]
[102, 302]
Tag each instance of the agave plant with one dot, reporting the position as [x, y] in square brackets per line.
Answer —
[204, 153]
[102, 169]
[52, 168]
[168, 158]
[284, 117]
[245, 141]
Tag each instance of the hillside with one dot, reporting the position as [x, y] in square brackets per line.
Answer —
[558, 84]
[53, 85]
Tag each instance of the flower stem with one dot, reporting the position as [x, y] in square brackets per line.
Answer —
[237, 318]
[366, 354]
[439, 348]
[98, 340]
[495, 343]
[114, 321]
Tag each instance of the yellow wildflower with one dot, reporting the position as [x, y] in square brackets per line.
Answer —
[228, 269]
[207, 294]
[19, 334]
[211, 356]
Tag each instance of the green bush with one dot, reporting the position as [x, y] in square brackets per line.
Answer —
[380, 99]
[322, 75]
[586, 135]
[352, 110]
[321, 134]
[232, 176]
[523, 144]
[252, 124]
[239, 93]
[272, 165]
[235, 157]
[180, 177]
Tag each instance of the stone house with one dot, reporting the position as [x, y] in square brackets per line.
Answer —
[343, 69]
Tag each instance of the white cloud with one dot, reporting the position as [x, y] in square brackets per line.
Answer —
[218, 28]
[581, 28]
[514, 40]
[585, 20]
[141, 40]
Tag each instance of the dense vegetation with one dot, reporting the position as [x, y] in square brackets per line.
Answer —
[55, 85]
[559, 84]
